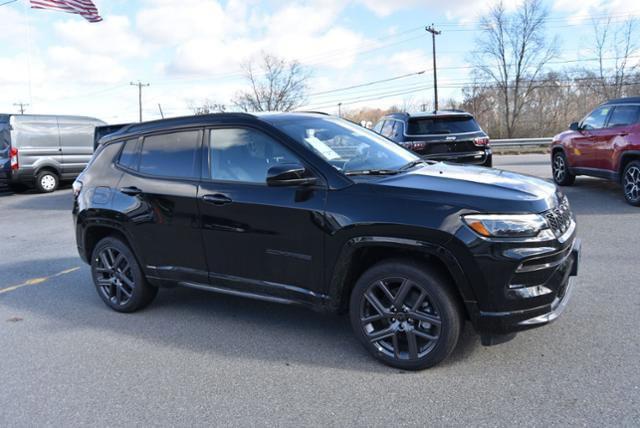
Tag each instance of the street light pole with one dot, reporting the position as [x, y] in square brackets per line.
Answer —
[434, 33]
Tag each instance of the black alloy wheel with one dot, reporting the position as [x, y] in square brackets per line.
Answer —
[406, 315]
[560, 168]
[118, 278]
[631, 183]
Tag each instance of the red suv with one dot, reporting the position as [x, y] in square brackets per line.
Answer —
[605, 144]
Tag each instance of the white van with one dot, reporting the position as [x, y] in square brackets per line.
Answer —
[42, 150]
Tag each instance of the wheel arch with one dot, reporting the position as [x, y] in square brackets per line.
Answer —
[360, 253]
[94, 232]
[625, 158]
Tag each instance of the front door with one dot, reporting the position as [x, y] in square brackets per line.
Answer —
[584, 150]
[259, 239]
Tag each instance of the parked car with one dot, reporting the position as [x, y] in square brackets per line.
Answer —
[42, 151]
[310, 209]
[445, 135]
[605, 144]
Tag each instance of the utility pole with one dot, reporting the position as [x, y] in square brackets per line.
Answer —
[339, 109]
[140, 85]
[434, 33]
[161, 112]
[22, 106]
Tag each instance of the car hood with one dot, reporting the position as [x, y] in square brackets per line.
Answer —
[476, 188]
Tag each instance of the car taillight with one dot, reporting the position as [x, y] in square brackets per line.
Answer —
[413, 145]
[13, 155]
[481, 141]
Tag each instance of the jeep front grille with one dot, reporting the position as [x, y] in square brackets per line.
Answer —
[560, 218]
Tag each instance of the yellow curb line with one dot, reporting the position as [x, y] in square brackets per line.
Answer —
[35, 281]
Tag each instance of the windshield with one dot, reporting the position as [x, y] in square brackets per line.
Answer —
[346, 146]
[442, 125]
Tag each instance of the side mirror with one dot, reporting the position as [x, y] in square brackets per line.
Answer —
[575, 126]
[289, 174]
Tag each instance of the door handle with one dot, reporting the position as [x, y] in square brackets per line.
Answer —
[217, 199]
[622, 134]
[131, 190]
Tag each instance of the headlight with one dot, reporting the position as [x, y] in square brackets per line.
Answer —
[509, 225]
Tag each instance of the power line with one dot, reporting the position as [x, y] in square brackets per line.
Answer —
[375, 82]
[8, 2]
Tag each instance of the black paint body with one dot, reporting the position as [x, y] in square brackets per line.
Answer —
[308, 244]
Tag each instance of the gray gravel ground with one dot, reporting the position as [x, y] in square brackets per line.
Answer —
[194, 358]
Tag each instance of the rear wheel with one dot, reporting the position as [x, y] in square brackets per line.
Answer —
[47, 181]
[560, 168]
[405, 314]
[631, 183]
[118, 277]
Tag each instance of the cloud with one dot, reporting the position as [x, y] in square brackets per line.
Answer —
[68, 63]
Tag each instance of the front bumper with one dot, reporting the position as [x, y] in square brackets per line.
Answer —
[562, 280]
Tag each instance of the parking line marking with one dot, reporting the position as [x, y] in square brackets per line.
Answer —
[35, 281]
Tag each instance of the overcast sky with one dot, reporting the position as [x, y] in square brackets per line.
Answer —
[192, 49]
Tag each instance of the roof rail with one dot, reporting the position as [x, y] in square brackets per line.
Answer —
[311, 111]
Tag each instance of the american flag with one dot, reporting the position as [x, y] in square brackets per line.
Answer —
[84, 8]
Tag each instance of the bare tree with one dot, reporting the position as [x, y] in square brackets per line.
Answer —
[206, 106]
[512, 52]
[275, 85]
[616, 46]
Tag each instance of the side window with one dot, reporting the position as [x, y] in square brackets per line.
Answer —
[596, 119]
[623, 116]
[398, 131]
[129, 155]
[171, 155]
[241, 154]
[387, 128]
[378, 126]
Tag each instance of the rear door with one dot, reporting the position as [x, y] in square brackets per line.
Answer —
[157, 193]
[619, 126]
[38, 142]
[76, 143]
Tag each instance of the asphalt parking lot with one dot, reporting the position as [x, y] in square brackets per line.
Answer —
[194, 358]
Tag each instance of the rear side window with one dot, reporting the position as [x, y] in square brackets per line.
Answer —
[442, 125]
[171, 155]
[129, 155]
[623, 116]
[378, 126]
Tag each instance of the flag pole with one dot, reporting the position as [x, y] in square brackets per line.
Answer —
[27, 13]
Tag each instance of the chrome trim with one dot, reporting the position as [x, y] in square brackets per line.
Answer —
[555, 313]
[565, 237]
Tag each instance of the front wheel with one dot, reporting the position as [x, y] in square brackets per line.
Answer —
[406, 314]
[560, 169]
[631, 183]
[118, 277]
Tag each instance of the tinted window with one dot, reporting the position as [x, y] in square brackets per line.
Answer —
[624, 115]
[378, 126]
[129, 155]
[398, 129]
[596, 119]
[240, 154]
[442, 125]
[346, 146]
[171, 155]
[387, 128]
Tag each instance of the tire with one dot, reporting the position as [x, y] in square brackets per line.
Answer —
[488, 162]
[385, 322]
[560, 169]
[118, 278]
[47, 181]
[631, 183]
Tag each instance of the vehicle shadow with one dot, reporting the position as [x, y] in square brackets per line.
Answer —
[191, 319]
[60, 200]
[593, 196]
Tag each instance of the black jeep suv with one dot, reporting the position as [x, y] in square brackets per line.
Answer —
[445, 135]
[310, 209]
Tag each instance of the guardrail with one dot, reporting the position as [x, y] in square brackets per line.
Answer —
[521, 142]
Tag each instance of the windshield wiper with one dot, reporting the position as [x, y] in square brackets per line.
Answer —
[372, 172]
[412, 164]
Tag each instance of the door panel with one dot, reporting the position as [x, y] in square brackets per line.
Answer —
[76, 144]
[259, 239]
[162, 213]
